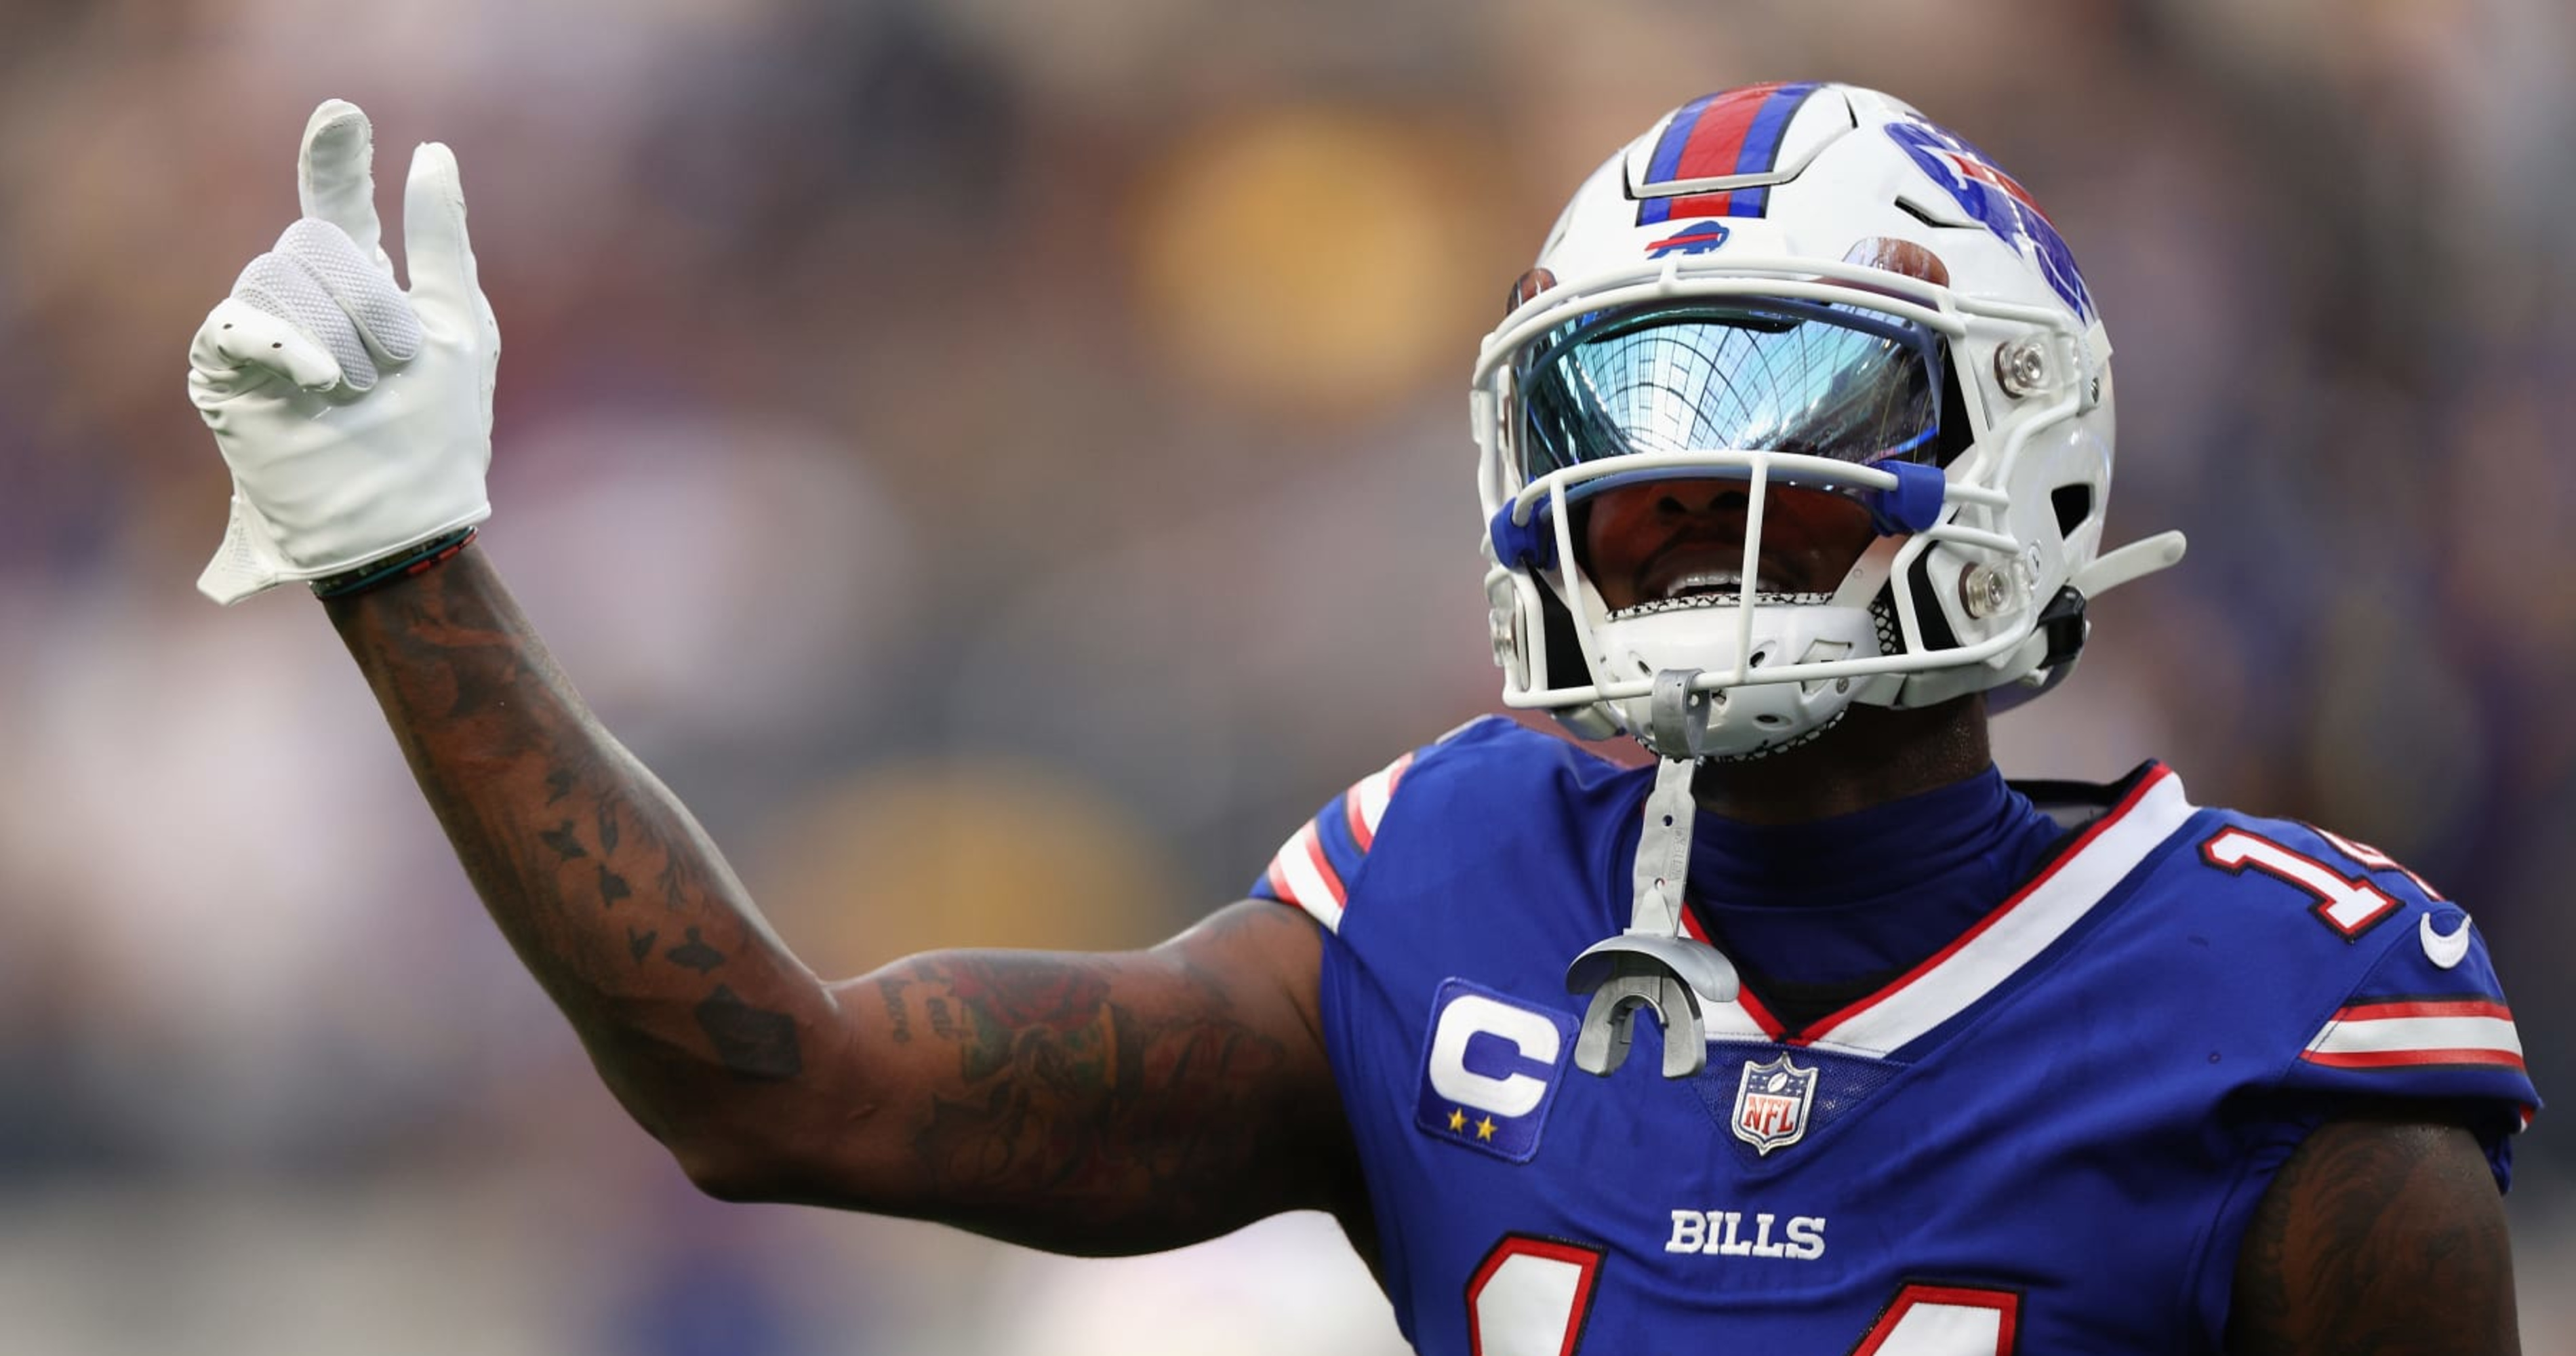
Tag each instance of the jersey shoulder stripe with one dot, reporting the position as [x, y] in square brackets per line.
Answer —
[1314, 868]
[2471, 1028]
[2426, 1017]
[1364, 805]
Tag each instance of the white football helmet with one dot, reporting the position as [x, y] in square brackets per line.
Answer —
[1800, 285]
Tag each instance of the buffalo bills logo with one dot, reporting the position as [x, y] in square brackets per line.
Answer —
[1699, 237]
[1771, 1104]
[1995, 200]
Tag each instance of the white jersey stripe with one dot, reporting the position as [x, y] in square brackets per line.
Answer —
[2386, 1034]
[1278, 883]
[1731, 1022]
[1310, 885]
[2012, 937]
[1370, 797]
[1303, 873]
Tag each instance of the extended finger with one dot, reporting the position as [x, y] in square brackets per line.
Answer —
[335, 177]
[444, 287]
[240, 342]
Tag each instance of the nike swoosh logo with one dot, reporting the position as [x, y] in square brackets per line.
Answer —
[2444, 952]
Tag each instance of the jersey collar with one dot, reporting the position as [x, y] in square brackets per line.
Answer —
[1993, 950]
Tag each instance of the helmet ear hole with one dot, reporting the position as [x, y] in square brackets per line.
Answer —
[1564, 647]
[2074, 504]
[1955, 435]
[1937, 634]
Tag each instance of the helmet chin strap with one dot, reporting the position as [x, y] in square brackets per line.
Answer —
[1652, 965]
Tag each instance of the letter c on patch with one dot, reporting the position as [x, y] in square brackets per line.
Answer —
[1471, 1015]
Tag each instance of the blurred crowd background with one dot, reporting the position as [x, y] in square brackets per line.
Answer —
[1005, 463]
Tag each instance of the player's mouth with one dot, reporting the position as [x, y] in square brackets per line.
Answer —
[1714, 583]
[1675, 544]
[1709, 567]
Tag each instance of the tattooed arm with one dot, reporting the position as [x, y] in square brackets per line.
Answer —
[2382, 1235]
[1095, 1103]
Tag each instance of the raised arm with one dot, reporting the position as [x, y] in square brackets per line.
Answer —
[1087, 1103]
[1084, 1103]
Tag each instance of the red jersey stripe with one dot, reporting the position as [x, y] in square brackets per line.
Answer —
[2389, 1059]
[2371, 1012]
[1313, 843]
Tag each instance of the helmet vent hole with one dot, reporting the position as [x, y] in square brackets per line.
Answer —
[2074, 504]
[1766, 718]
[1955, 436]
[1761, 657]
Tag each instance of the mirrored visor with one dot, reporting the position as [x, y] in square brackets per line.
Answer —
[1770, 375]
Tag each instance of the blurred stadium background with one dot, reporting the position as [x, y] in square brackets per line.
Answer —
[1004, 462]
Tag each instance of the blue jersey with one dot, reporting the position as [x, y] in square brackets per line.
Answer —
[2046, 1137]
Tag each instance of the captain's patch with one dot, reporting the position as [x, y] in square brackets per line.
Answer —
[1490, 1069]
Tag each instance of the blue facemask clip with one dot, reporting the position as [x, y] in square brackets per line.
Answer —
[1915, 503]
[1524, 547]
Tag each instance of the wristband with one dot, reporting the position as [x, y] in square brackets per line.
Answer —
[401, 565]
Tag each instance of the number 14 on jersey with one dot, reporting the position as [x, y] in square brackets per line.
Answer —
[1530, 1297]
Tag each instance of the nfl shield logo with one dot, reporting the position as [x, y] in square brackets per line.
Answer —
[1771, 1103]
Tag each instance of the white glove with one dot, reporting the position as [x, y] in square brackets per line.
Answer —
[356, 418]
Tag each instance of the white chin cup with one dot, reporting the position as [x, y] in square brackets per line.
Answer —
[1749, 718]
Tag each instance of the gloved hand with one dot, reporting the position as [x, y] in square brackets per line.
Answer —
[356, 417]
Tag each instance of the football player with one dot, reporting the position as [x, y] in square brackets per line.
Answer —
[1795, 444]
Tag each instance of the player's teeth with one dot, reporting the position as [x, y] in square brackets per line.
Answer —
[1704, 580]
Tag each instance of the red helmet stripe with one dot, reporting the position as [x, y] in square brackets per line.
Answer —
[1738, 132]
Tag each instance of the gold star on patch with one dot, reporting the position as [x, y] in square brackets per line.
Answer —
[1457, 1119]
[1485, 1128]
